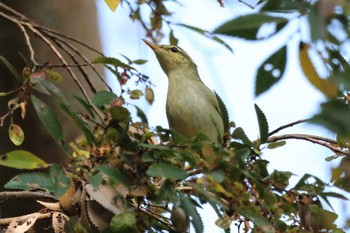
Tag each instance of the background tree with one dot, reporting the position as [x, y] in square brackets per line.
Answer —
[122, 175]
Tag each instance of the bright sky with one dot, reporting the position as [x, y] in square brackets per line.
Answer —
[232, 76]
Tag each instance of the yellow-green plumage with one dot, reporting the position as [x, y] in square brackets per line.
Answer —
[191, 106]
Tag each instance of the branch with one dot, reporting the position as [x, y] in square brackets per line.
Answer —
[23, 218]
[26, 194]
[287, 126]
[326, 142]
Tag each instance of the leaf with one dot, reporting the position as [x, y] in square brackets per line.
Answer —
[59, 179]
[224, 113]
[124, 222]
[139, 61]
[206, 34]
[135, 94]
[11, 68]
[271, 71]
[86, 105]
[334, 115]
[110, 61]
[257, 219]
[30, 181]
[54, 76]
[113, 174]
[21, 159]
[80, 123]
[263, 124]
[326, 86]
[149, 95]
[172, 39]
[275, 145]
[247, 26]
[48, 118]
[16, 134]
[141, 114]
[167, 171]
[49, 86]
[239, 133]
[119, 113]
[285, 6]
[112, 4]
[103, 97]
[190, 210]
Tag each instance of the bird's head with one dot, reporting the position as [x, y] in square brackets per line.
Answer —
[172, 58]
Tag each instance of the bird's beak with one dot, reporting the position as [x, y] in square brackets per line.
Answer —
[154, 47]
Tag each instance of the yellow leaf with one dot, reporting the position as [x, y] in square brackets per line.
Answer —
[112, 4]
[326, 86]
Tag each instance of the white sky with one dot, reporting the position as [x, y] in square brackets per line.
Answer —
[232, 76]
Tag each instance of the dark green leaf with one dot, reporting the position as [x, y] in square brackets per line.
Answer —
[141, 114]
[11, 68]
[280, 179]
[190, 210]
[31, 181]
[173, 39]
[113, 174]
[248, 26]
[103, 97]
[257, 219]
[82, 125]
[48, 118]
[335, 116]
[21, 159]
[207, 34]
[285, 6]
[224, 113]
[124, 222]
[86, 105]
[110, 61]
[167, 171]
[239, 134]
[51, 87]
[60, 182]
[271, 71]
[119, 113]
[263, 124]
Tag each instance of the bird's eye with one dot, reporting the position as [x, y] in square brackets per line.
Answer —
[174, 49]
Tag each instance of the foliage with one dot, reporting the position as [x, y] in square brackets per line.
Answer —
[123, 176]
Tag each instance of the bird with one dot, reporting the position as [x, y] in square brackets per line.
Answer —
[191, 107]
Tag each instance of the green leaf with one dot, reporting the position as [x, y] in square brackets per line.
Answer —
[141, 114]
[275, 145]
[111, 61]
[167, 171]
[135, 94]
[285, 6]
[81, 124]
[257, 219]
[139, 61]
[49, 86]
[60, 181]
[271, 71]
[149, 95]
[122, 223]
[30, 181]
[247, 26]
[21, 159]
[172, 39]
[103, 97]
[334, 115]
[206, 34]
[113, 174]
[86, 105]
[48, 118]
[190, 210]
[239, 134]
[16, 134]
[11, 68]
[54, 76]
[224, 113]
[263, 124]
[119, 113]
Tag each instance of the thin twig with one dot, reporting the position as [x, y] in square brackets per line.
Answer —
[26, 194]
[328, 143]
[287, 126]
[23, 218]
[29, 44]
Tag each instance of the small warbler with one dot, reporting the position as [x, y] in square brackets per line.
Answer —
[191, 107]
